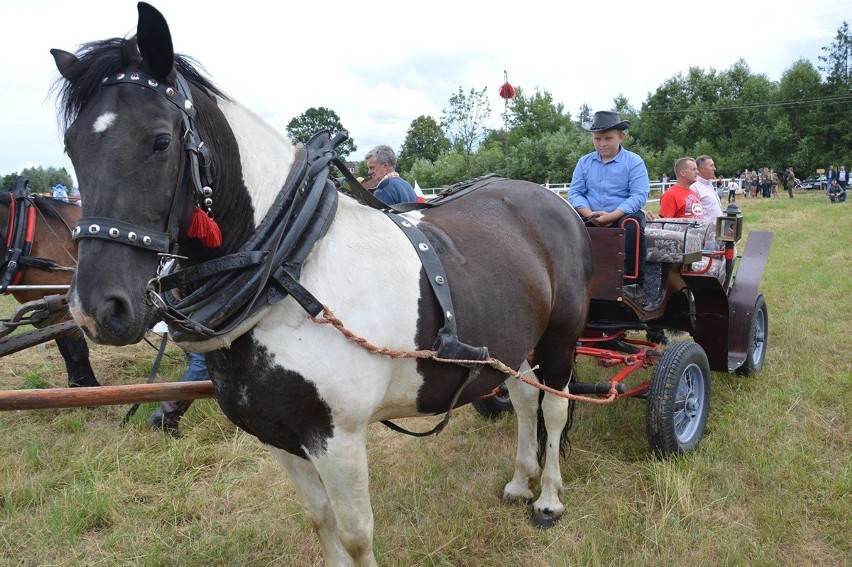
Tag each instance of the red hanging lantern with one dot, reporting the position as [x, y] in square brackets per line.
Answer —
[507, 91]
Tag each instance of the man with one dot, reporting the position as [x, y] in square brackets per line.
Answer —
[611, 185]
[710, 201]
[830, 175]
[391, 189]
[681, 202]
[843, 177]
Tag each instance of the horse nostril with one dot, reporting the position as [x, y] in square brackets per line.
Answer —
[115, 315]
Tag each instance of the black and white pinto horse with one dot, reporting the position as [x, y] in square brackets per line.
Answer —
[516, 257]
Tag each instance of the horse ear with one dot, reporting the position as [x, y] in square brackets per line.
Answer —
[155, 42]
[68, 64]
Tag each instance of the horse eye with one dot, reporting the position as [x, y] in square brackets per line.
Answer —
[162, 143]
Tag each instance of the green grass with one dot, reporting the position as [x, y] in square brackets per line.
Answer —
[770, 483]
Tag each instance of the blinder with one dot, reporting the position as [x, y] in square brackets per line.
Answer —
[197, 165]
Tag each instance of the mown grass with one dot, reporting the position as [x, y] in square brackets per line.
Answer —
[770, 483]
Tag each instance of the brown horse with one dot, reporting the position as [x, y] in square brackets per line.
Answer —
[505, 267]
[38, 251]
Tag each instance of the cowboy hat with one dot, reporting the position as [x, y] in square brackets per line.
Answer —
[606, 120]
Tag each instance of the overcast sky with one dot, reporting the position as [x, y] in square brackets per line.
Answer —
[381, 65]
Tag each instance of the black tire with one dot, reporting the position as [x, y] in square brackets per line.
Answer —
[678, 400]
[492, 407]
[758, 332]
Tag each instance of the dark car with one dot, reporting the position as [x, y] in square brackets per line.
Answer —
[813, 182]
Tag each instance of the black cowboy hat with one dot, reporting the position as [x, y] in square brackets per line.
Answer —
[606, 120]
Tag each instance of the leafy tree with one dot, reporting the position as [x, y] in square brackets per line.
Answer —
[464, 123]
[41, 180]
[584, 115]
[313, 120]
[536, 115]
[837, 61]
[425, 140]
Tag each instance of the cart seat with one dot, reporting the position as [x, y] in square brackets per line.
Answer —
[683, 241]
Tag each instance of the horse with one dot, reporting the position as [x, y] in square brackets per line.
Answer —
[50, 261]
[314, 324]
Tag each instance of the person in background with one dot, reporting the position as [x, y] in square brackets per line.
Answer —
[391, 189]
[681, 202]
[829, 176]
[836, 193]
[60, 192]
[790, 181]
[166, 418]
[733, 187]
[611, 185]
[842, 177]
[703, 185]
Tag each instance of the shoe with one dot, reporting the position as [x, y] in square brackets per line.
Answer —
[657, 336]
[167, 426]
[617, 344]
[635, 293]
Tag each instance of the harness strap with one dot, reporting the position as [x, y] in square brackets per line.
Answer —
[19, 235]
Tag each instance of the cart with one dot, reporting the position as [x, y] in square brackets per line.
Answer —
[692, 288]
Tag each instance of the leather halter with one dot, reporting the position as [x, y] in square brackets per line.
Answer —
[197, 165]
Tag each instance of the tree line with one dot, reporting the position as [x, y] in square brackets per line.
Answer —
[741, 118]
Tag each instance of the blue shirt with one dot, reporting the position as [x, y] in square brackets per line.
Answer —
[395, 190]
[621, 183]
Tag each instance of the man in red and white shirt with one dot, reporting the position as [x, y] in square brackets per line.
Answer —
[679, 201]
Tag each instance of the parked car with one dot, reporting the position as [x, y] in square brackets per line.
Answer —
[813, 182]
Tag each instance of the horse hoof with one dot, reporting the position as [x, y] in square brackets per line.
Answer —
[545, 519]
[512, 499]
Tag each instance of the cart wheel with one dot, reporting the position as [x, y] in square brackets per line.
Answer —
[757, 339]
[495, 405]
[678, 400]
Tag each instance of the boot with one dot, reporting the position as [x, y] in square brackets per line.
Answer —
[167, 417]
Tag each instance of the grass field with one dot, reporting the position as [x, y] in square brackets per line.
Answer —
[770, 483]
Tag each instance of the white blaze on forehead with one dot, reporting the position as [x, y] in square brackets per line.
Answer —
[103, 122]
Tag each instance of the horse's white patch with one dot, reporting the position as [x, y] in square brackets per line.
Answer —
[103, 122]
[265, 165]
[368, 273]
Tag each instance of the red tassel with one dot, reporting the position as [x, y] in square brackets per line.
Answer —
[205, 229]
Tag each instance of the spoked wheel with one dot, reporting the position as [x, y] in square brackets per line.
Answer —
[678, 400]
[495, 405]
[757, 339]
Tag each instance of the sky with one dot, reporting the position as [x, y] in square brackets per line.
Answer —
[381, 65]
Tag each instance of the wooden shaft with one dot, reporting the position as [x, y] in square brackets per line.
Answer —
[104, 395]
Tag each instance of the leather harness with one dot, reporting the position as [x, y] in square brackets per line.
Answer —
[214, 298]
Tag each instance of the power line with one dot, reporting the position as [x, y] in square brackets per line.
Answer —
[777, 104]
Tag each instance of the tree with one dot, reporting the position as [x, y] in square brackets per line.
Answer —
[584, 115]
[464, 122]
[536, 115]
[425, 140]
[837, 61]
[313, 120]
[41, 180]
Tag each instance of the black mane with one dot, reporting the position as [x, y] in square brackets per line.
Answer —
[101, 58]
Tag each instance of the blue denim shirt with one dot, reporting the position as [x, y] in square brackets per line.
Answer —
[621, 183]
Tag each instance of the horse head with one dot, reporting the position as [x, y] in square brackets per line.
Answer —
[144, 133]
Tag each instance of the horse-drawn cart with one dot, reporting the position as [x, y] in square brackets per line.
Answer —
[691, 287]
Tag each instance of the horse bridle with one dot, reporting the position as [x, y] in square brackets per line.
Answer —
[197, 165]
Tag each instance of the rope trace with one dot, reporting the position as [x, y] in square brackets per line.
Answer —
[329, 318]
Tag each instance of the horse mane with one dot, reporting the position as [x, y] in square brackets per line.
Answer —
[101, 58]
[48, 206]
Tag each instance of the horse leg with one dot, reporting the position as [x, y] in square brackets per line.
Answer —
[525, 401]
[334, 491]
[315, 503]
[548, 509]
[75, 353]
